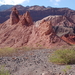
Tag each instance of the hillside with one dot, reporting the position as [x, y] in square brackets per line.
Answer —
[19, 30]
[62, 26]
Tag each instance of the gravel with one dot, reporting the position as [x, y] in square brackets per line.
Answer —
[34, 62]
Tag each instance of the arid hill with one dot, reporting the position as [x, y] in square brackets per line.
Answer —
[63, 27]
[19, 30]
[58, 20]
[61, 24]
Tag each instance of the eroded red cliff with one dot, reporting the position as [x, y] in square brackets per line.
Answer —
[23, 32]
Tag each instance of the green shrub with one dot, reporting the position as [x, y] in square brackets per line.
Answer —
[65, 56]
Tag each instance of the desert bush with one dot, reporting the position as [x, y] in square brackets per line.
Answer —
[65, 56]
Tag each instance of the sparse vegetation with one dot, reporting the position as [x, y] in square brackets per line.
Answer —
[3, 71]
[64, 56]
[66, 69]
[6, 51]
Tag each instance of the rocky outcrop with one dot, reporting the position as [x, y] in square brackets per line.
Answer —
[61, 25]
[45, 27]
[69, 38]
[14, 16]
[44, 36]
[23, 20]
[26, 19]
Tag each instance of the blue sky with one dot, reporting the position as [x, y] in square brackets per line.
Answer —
[53, 3]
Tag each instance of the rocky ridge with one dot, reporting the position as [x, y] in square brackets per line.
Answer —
[22, 32]
[58, 20]
[63, 27]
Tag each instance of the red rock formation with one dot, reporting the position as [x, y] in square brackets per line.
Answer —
[44, 36]
[23, 21]
[14, 16]
[26, 19]
[69, 38]
[25, 34]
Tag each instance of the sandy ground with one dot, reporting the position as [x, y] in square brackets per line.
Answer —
[34, 62]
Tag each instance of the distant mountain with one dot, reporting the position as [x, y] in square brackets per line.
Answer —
[39, 12]
[28, 8]
[19, 7]
[5, 7]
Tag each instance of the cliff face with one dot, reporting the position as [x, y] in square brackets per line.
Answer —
[25, 33]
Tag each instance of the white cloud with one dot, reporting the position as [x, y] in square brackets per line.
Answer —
[12, 2]
[55, 2]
